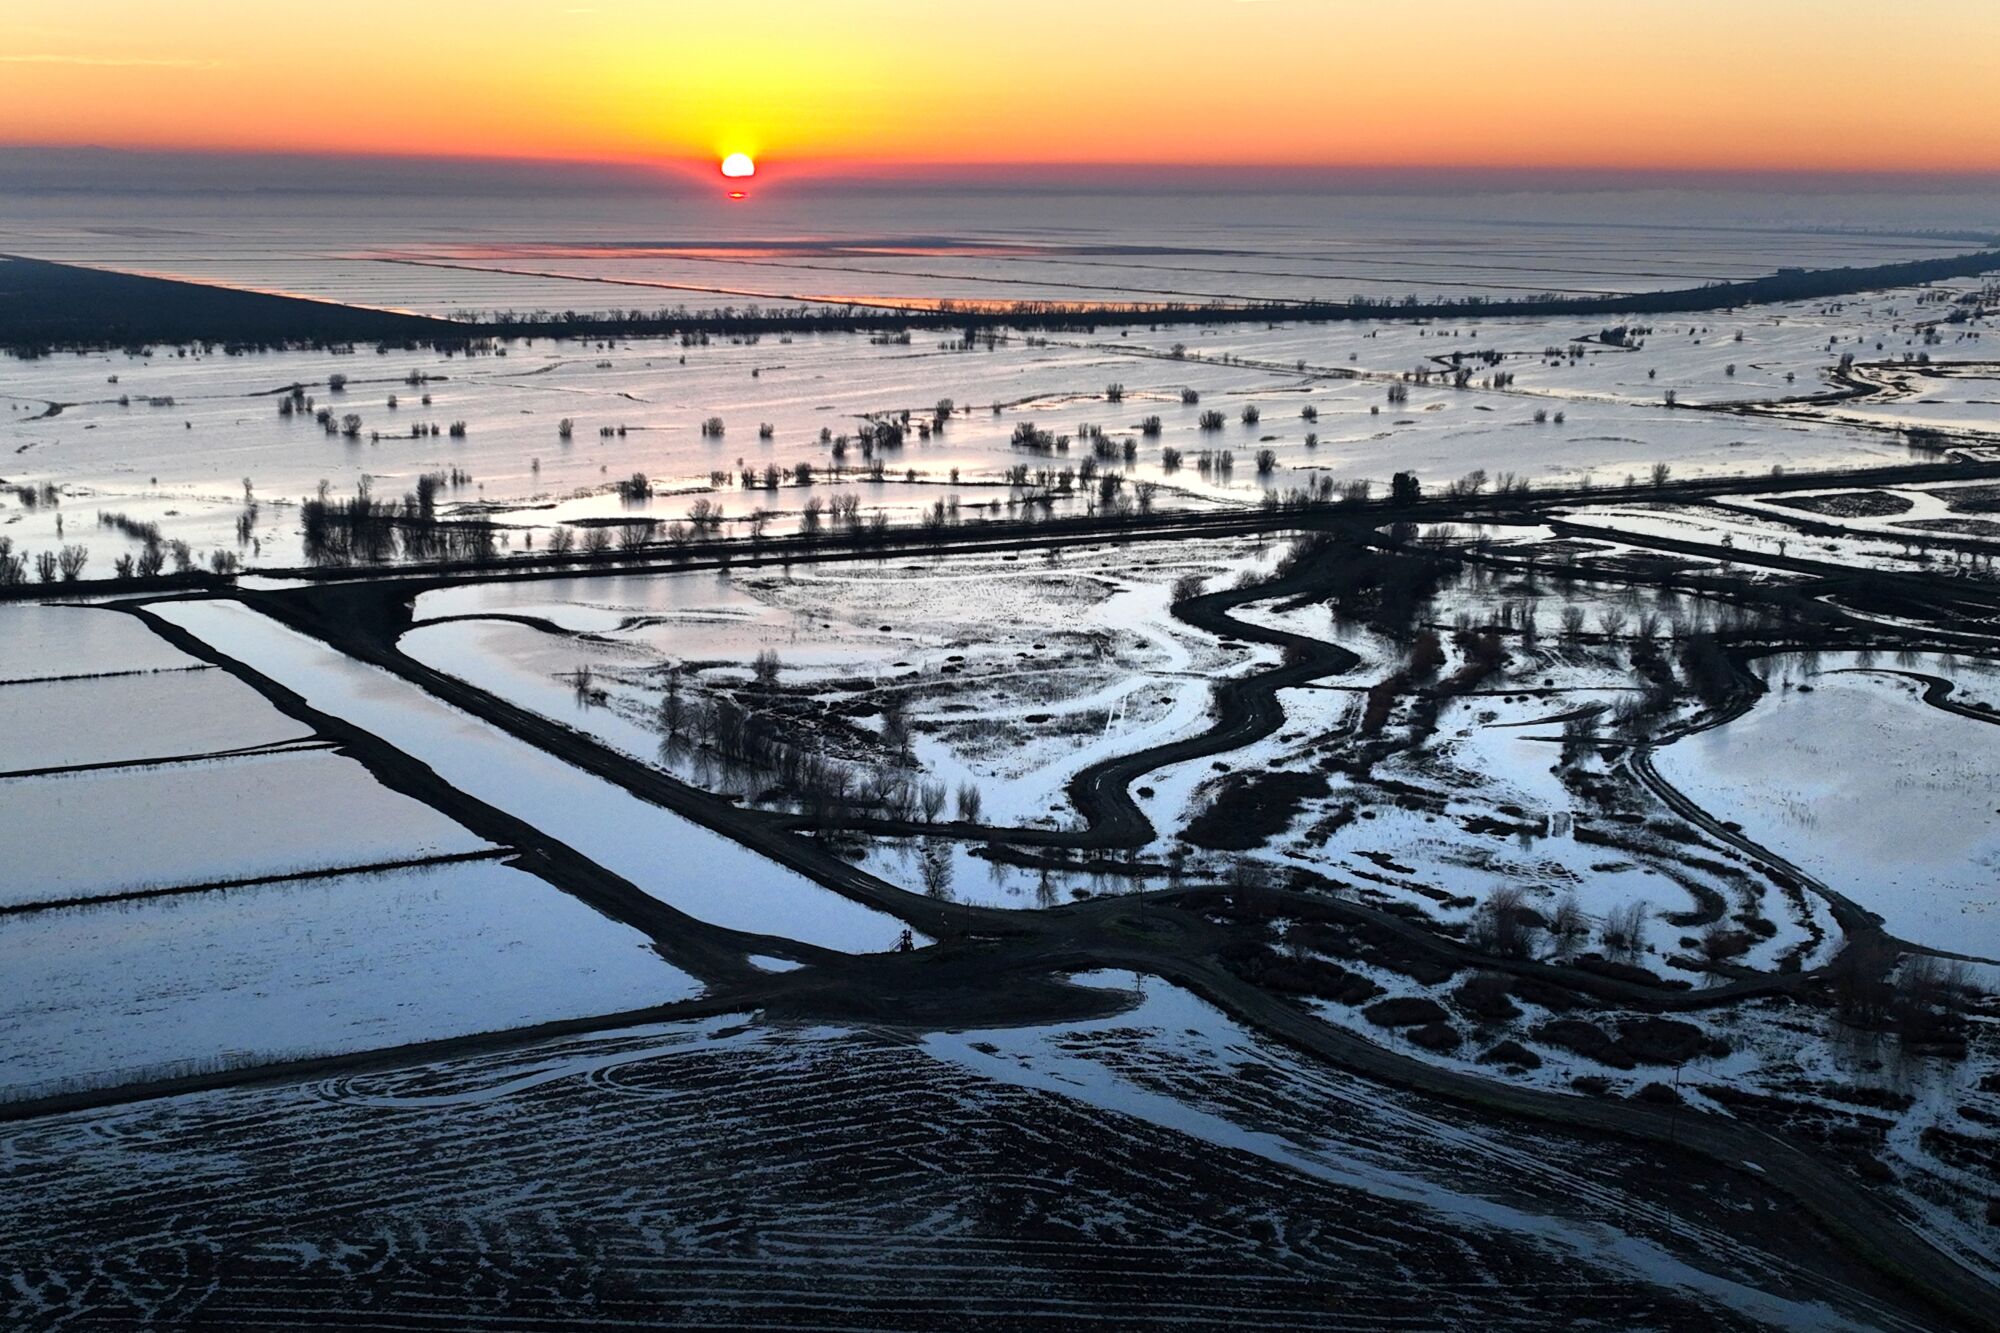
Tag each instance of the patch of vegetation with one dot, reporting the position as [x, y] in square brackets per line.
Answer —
[1404, 1011]
[1970, 499]
[1848, 504]
[1485, 997]
[1512, 1054]
[1250, 808]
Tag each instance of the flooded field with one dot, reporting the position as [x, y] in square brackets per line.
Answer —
[103, 996]
[1491, 807]
[504, 449]
[1838, 768]
[801, 666]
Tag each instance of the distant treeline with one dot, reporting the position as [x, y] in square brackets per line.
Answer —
[45, 307]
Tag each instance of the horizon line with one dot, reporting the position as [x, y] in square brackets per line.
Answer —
[852, 168]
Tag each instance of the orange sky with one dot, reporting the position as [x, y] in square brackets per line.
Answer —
[1731, 84]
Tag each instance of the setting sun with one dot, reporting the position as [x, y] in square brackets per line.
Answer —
[738, 165]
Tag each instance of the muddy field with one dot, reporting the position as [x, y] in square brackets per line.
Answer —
[726, 1172]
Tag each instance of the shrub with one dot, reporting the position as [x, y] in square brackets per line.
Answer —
[1505, 925]
[1404, 1011]
[1623, 932]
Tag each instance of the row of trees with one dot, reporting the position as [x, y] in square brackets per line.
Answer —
[364, 530]
[1506, 925]
[746, 736]
[65, 564]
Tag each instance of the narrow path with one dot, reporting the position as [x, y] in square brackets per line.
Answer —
[166, 761]
[1937, 692]
[1853, 918]
[255, 881]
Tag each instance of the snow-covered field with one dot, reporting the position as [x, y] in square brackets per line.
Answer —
[1016, 672]
[1271, 1180]
[1489, 747]
[1759, 533]
[1165, 1061]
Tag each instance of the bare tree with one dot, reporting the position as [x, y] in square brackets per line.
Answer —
[1505, 925]
[934, 864]
[1623, 931]
[673, 706]
[895, 722]
[1568, 926]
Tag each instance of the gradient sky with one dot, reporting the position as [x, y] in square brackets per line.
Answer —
[826, 84]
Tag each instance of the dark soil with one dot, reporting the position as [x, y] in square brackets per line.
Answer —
[1404, 1011]
[1511, 1053]
[1969, 499]
[1849, 504]
[1252, 808]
